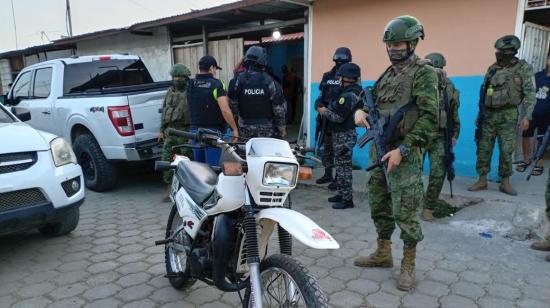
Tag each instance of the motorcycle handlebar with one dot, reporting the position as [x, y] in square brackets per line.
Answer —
[163, 165]
[181, 133]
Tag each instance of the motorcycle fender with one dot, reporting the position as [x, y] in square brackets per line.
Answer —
[192, 215]
[300, 227]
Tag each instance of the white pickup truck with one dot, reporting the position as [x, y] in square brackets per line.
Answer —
[107, 107]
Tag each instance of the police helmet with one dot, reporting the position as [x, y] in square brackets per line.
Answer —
[342, 55]
[349, 70]
[256, 55]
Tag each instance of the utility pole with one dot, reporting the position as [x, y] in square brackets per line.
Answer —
[68, 19]
[14, 25]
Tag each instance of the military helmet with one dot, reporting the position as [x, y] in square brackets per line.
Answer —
[437, 59]
[404, 28]
[508, 42]
[349, 70]
[180, 70]
[342, 54]
[256, 54]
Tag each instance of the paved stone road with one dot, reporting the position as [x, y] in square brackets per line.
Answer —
[110, 261]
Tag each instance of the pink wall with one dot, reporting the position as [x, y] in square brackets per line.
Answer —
[463, 30]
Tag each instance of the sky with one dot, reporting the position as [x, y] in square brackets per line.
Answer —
[40, 20]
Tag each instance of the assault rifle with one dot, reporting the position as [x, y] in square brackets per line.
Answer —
[540, 152]
[382, 129]
[449, 154]
[482, 111]
[320, 131]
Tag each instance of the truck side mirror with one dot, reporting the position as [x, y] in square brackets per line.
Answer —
[3, 99]
[23, 114]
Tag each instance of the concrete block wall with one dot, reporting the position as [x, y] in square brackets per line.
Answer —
[5, 75]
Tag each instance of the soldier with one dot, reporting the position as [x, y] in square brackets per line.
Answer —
[341, 123]
[408, 88]
[209, 107]
[257, 99]
[174, 115]
[330, 90]
[508, 83]
[448, 95]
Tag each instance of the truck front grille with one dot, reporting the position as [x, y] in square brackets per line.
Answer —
[13, 162]
[21, 198]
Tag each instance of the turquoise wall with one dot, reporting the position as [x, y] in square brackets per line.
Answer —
[465, 149]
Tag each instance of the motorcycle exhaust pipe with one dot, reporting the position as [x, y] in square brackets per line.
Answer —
[223, 245]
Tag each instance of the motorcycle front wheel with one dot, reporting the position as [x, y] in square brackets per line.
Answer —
[176, 260]
[287, 283]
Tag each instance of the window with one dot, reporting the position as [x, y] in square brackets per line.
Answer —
[22, 86]
[97, 75]
[42, 83]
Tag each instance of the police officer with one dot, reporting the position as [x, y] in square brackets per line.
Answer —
[448, 96]
[209, 107]
[407, 87]
[174, 115]
[508, 83]
[258, 100]
[341, 122]
[330, 90]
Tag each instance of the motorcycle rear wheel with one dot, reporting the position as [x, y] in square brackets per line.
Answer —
[277, 273]
[176, 262]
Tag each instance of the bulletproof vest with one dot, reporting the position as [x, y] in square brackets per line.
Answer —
[203, 106]
[504, 87]
[442, 88]
[394, 92]
[175, 108]
[331, 87]
[349, 123]
[254, 98]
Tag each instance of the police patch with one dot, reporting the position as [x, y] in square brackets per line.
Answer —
[341, 101]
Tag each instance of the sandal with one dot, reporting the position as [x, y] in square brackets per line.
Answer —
[537, 171]
[522, 166]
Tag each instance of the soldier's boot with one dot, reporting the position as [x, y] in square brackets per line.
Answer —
[407, 276]
[326, 178]
[332, 186]
[166, 195]
[542, 245]
[507, 188]
[380, 258]
[481, 184]
[344, 204]
[427, 215]
[337, 198]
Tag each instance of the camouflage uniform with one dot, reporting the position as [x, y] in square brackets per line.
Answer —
[436, 149]
[400, 205]
[340, 112]
[501, 114]
[174, 115]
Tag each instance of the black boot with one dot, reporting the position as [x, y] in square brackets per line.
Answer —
[337, 198]
[326, 178]
[344, 204]
[332, 186]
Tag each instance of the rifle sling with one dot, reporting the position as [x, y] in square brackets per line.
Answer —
[389, 131]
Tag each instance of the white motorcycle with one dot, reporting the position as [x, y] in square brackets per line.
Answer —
[220, 224]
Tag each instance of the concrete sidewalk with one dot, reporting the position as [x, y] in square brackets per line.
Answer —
[520, 217]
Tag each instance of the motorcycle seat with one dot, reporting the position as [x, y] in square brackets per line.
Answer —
[198, 180]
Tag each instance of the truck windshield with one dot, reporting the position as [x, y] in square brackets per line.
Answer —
[97, 75]
[5, 117]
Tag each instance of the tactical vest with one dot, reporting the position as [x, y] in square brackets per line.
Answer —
[349, 122]
[504, 89]
[175, 108]
[394, 92]
[330, 87]
[254, 98]
[204, 110]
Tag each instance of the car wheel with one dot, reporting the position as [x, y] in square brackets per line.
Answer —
[64, 225]
[99, 174]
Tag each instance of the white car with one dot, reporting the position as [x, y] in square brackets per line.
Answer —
[41, 184]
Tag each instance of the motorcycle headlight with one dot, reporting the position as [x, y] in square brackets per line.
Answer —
[280, 174]
[62, 153]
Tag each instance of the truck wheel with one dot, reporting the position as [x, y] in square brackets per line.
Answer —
[65, 225]
[99, 174]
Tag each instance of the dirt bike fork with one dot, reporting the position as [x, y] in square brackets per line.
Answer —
[253, 254]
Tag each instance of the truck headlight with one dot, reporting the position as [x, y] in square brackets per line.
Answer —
[62, 153]
[280, 174]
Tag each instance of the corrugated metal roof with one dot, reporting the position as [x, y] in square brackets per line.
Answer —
[285, 37]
